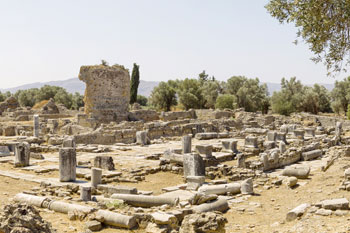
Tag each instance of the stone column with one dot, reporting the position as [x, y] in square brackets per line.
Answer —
[96, 176]
[282, 147]
[36, 125]
[241, 160]
[67, 164]
[186, 144]
[265, 160]
[193, 165]
[141, 138]
[22, 154]
[85, 193]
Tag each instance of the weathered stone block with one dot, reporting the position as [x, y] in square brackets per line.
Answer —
[204, 150]
[194, 182]
[251, 141]
[193, 165]
[117, 189]
[4, 151]
[271, 136]
[310, 132]
[22, 154]
[67, 164]
[230, 145]
[141, 138]
[104, 162]
[298, 133]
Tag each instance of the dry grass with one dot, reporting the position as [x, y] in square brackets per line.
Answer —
[40, 104]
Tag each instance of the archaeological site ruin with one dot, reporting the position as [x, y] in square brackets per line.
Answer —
[108, 168]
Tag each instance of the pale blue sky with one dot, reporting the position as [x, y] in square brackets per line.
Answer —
[46, 40]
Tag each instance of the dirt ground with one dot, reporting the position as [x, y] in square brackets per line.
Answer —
[263, 212]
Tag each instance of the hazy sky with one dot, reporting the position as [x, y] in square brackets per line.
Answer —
[46, 40]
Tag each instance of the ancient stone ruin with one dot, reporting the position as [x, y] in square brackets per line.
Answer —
[107, 92]
[185, 171]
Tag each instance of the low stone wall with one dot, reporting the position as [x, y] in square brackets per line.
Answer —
[171, 116]
[209, 114]
[143, 115]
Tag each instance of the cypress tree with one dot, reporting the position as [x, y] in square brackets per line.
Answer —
[135, 81]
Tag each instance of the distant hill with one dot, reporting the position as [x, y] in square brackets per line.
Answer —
[73, 85]
[145, 88]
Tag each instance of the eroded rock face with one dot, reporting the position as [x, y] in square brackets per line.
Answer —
[204, 222]
[107, 92]
[21, 218]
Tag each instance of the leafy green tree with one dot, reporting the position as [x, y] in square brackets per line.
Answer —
[63, 97]
[234, 83]
[204, 77]
[348, 113]
[252, 95]
[249, 93]
[27, 98]
[225, 101]
[310, 101]
[211, 90]
[190, 94]
[2, 97]
[323, 98]
[322, 24]
[77, 101]
[295, 97]
[341, 93]
[290, 98]
[142, 100]
[163, 96]
[135, 81]
[280, 105]
[47, 92]
[336, 107]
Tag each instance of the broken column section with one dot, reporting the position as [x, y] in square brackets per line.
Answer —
[67, 164]
[22, 154]
[193, 165]
[36, 126]
[186, 144]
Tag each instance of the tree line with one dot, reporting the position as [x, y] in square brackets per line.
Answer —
[32, 96]
[206, 92]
